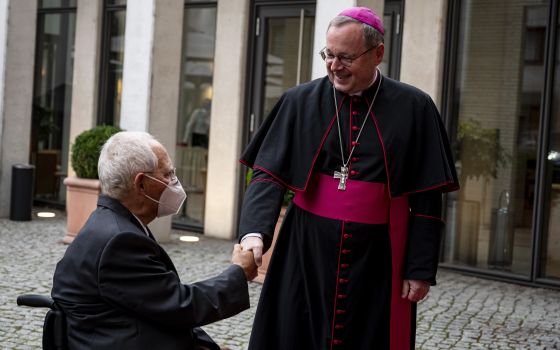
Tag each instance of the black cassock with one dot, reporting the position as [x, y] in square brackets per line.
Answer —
[334, 282]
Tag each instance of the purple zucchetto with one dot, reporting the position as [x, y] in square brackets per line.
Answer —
[365, 15]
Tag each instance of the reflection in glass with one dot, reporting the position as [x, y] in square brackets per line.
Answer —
[193, 122]
[114, 51]
[388, 24]
[44, 4]
[52, 95]
[282, 57]
[116, 2]
[499, 81]
[551, 243]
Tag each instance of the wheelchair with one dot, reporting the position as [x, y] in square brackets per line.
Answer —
[54, 326]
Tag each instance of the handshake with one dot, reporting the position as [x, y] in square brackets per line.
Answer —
[245, 260]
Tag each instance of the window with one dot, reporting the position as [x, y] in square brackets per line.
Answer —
[193, 122]
[112, 60]
[498, 77]
[52, 95]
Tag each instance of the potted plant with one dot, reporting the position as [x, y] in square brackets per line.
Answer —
[84, 188]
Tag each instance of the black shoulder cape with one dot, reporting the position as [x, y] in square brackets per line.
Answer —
[417, 153]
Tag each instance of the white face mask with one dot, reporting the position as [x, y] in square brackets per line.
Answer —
[171, 198]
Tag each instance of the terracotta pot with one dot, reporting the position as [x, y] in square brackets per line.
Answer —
[81, 201]
[266, 257]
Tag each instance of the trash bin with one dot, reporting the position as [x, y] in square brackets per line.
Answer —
[21, 200]
[501, 234]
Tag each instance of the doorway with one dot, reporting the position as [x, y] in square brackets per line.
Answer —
[281, 56]
[393, 13]
[52, 96]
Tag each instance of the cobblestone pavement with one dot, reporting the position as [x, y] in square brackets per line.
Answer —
[462, 312]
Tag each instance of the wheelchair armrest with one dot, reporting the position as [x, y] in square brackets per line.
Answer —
[36, 300]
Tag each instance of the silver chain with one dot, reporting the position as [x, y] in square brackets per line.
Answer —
[345, 163]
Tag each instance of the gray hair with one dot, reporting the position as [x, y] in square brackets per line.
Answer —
[124, 155]
[372, 37]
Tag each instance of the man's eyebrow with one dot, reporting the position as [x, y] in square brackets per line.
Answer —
[343, 54]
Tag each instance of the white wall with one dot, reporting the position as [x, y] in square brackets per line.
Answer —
[137, 66]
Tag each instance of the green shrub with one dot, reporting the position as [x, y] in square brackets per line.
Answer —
[87, 147]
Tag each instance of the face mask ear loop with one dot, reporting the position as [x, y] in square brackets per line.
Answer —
[158, 180]
[150, 198]
[153, 178]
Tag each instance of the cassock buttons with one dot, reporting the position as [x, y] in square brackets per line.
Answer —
[354, 172]
[345, 266]
[354, 143]
[340, 312]
[354, 112]
[337, 342]
[355, 128]
[355, 159]
[346, 251]
[342, 296]
[343, 280]
[347, 235]
[338, 326]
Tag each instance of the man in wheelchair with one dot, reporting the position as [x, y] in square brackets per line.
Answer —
[116, 286]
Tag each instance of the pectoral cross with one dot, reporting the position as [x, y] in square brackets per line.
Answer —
[342, 176]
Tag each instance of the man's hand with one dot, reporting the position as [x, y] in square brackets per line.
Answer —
[254, 244]
[415, 290]
[245, 260]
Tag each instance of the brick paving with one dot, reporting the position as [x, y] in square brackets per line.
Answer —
[462, 312]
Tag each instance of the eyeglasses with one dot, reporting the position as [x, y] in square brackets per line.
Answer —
[169, 175]
[344, 60]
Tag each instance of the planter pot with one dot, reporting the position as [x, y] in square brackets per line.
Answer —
[266, 257]
[81, 201]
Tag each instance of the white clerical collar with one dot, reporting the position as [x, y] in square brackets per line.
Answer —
[142, 224]
[359, 93]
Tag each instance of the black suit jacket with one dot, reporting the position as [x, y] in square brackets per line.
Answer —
[120, 290]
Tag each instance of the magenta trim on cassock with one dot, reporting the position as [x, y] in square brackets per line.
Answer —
[363, 202]
[401, 309]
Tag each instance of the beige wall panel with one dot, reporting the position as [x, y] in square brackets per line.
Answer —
[220, 218]
[423, 45]
[18, 92]
[164, 86]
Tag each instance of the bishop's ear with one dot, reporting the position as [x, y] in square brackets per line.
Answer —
[379, 52]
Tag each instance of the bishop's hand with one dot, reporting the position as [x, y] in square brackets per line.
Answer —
[415, 290]
[254, 244]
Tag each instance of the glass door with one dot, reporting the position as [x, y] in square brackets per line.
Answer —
[52, 95]
[550, 250]
[112, 60]
[498, 92]
[282, 55]
[393, 20]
